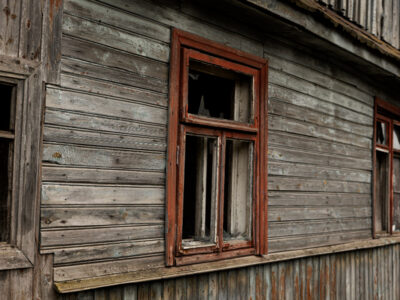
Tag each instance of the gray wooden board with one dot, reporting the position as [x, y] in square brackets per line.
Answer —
[283, 183]
[76, 236]
[107, 268]
[53, 194]
[316, 145]
[312, 241]
[281, 229]
[323, 77]
[313, 213]
[112, 58]
[102, 106]
[95, 71]
[279, 123]
[287, 199]
[321, 172]
[106, 35]
[101, 216]
[300, 85]
[119, 18]
[102, 124]
[108, 251]
[282, 108]
[169, 16]
[102, 158]
[93, 138]
[51, 173]
[293, 155]
[283, 92]
[108, 88]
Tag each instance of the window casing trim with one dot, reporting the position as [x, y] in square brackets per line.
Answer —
[25, 76]
[379, 103]
[180, 40]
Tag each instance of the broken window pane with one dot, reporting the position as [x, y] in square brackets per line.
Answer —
[200, 191]
[382, 191]
[396, 192]
[396, 137]
[381, 133]
[219, 93]
[238, 190]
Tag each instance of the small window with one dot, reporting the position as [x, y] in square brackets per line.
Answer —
[217, 152]
[386, 169]
[7, 109]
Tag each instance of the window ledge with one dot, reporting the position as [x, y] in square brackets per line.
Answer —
[172, 272]
[12, 258]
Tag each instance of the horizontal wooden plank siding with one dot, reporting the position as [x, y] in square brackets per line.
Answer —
[105, 135]
[362, 274]
[320, 137]
[105, 131]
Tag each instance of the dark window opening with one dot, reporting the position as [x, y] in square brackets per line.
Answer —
[382, 187]
[200, 190]
[219, 93]
[6, 92]
[6, 157]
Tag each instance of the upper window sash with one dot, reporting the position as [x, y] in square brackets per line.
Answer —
[185, 116]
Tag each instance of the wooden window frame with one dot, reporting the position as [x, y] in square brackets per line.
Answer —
[186, 46]
[379, 103]
[25, 77]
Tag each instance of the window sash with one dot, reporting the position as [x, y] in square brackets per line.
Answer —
[222, 136]
[187, 117]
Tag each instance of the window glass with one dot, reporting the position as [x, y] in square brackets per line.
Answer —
[396, 192]
[219, 93]
[238, 190]
[396, 137]
[200, 191]
[382, 188]
[381, 133]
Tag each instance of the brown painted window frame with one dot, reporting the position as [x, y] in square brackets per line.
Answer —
[183, 47]
[394, 110]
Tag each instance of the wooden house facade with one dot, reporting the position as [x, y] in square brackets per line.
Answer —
[180, 149]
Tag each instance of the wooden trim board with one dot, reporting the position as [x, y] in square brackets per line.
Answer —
[82, 284]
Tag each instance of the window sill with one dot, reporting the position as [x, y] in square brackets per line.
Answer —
[12, 258]
[81, 284]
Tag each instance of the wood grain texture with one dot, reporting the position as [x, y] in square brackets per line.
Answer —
[332, 276]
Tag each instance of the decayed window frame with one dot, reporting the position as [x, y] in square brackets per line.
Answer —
[185, 45]
[395, 111]
[18, 252]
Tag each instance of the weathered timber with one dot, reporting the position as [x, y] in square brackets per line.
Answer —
[109, 251]
[101, 216]
[52, 238]
[80, 102]
[92, 138]
[51, 173]
[106, 158]
[106, 35]
[102, 124]
[95, 194]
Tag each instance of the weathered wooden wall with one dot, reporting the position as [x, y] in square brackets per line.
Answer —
[26, 29]
[379, 17]
[103, 193]
[365, 274]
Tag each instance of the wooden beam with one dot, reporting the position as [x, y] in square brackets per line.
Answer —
[81, 284]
